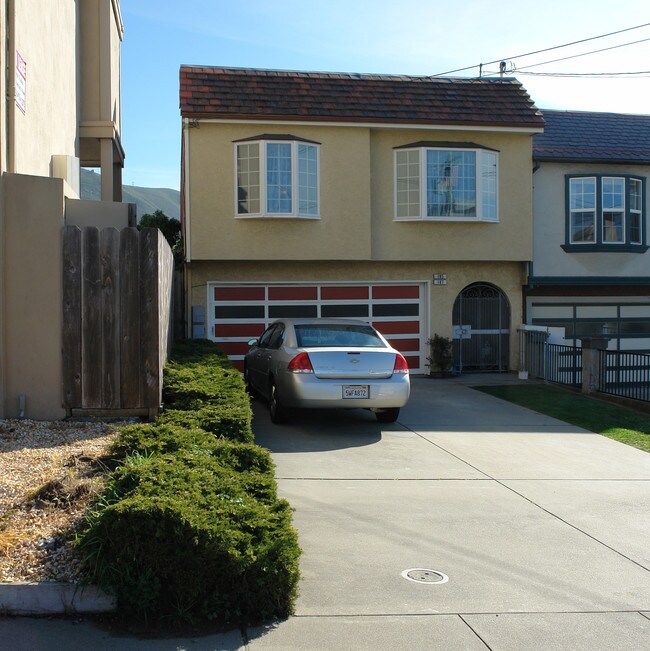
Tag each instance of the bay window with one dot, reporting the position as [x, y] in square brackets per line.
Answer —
[446, 181]
[277, 176]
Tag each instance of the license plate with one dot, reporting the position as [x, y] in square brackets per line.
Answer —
[355, 391]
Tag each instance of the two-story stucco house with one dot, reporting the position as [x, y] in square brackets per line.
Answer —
[591, 265]
[404, 201]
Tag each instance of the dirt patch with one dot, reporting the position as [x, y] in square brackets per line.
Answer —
[49, 474]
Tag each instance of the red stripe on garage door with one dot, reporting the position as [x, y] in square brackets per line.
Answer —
[239, 293]
[397, 327]
[396, 291]
[344, 293]
[234, 347]
[293, 293]
[238, 329]
[405, 345]
[413, 362]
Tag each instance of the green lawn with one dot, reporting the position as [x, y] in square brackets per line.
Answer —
[619, 423]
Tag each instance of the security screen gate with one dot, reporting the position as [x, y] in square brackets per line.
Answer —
[481, 320]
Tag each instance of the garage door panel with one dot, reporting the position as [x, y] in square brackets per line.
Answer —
[396, 291]
[238, 330]
[358, 311]
[239, 293]
[397, 327]
[345, 293]
[293, 293]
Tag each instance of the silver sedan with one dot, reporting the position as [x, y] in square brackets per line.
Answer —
[318, 363]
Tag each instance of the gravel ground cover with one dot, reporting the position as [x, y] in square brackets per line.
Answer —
[49, 474]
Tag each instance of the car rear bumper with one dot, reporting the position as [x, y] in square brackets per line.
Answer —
[305, 390]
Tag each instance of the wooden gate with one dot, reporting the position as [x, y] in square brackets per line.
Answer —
[117, 289]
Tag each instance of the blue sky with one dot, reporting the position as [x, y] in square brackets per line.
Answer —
[414, 37]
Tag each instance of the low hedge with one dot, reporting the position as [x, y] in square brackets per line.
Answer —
[190, 527]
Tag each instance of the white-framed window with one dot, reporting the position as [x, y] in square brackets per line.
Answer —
[582, 209]
[605, 212]
[446, 183]
[636, 211]
[277, 177]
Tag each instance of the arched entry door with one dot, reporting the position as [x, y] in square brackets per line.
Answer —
[481, 329]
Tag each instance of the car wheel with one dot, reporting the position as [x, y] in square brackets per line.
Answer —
[277, 411]
[387, 415]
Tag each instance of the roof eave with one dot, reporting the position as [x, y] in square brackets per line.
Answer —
[482, 125]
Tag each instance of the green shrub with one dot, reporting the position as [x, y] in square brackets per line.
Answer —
[226, 421]
[201, 374]
[159, 438]
[192, 539]
[190, 527]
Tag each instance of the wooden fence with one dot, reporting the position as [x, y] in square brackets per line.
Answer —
[117, 290]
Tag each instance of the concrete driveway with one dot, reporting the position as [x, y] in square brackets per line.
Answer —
[541, 528]
[536, 534]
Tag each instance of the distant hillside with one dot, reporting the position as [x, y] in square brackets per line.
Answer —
[148, 200]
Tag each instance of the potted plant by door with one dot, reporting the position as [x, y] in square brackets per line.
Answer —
[440, 357]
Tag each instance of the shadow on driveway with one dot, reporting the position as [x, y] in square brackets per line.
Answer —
[316, 430]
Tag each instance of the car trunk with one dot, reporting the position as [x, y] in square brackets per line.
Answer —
[362, 364]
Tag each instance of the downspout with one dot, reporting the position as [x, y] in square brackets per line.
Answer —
[11, 86]
[185, 224]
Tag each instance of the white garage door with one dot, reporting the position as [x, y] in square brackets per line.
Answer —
[236, 313]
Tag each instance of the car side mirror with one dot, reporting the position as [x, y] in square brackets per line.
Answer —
[252, 342]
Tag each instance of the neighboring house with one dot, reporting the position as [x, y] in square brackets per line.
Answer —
[404, 201]
[591, 265]
[60, 108]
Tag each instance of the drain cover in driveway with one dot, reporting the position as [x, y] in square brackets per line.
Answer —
[420, 575]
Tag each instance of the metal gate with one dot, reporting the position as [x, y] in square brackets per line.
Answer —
[481, 329]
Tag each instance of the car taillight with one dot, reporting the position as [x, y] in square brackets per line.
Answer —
[400, 364]
[300, 364]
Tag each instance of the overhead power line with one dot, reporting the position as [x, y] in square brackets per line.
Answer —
[584, 54]
[640, 74]
[548, 49]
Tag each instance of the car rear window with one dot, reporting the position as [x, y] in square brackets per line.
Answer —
[331, 336]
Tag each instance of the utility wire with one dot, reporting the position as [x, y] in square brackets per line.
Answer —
[640, 74]
[584, 54]
[548, 49]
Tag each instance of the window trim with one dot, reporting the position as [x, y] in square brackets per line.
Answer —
[600, 244]
[422, 148]
[263, 141]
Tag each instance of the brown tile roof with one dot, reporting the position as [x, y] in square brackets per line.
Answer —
[242, 93]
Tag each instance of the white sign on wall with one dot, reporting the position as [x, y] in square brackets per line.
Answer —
[21, 82]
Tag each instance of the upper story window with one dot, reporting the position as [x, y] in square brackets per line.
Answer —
[446, 181]
[605, 213]
[277, 176]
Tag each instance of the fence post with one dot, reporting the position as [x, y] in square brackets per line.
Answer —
[591, 368]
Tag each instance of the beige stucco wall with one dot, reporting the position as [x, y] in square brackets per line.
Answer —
[30, 354]
[507, 276]
[357, 201]
[99, 64]
[509, 239]
[343, 232]
[45, 38]
[550, 228]
[102, 214]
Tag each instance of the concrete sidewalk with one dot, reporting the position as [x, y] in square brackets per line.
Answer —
[541, 529]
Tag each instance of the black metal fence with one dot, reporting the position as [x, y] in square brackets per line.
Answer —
[563, 364]
[625, 374]
[620, 373]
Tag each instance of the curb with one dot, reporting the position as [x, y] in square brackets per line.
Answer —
[53, 599]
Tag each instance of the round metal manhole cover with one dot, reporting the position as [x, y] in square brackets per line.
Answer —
[420, 575]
